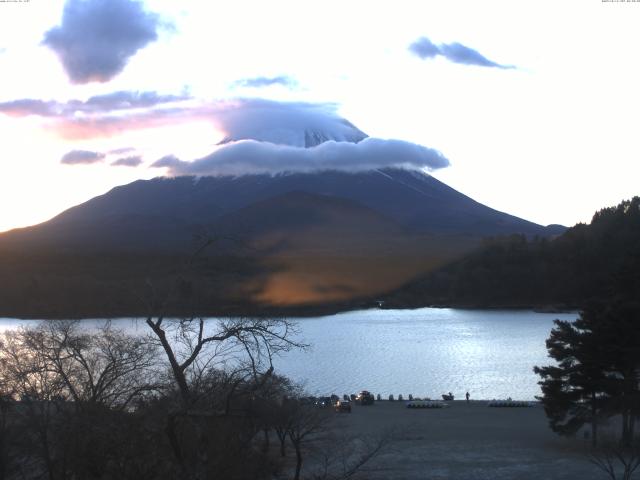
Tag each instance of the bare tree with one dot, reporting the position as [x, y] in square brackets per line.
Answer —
[25, 375]
[9, 435]
[343, 457]
[193, 345]
[282, 417]
[305, 423]
[196, 349]
[106, 366]
[615, 458]
[67, 385]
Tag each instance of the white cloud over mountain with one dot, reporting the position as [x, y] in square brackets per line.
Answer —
[253, 157]
[263, 136]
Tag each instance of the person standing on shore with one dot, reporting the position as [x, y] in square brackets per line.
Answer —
[467, 395]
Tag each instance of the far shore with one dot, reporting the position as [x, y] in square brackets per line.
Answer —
[283, 312]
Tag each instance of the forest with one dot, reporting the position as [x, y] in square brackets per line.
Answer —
[588, 261]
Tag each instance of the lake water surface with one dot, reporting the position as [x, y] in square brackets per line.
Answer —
[424, 352]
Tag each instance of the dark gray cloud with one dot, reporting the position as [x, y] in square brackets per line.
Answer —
[169, 161]
[121, 100]
[133, 161]
[250, 156]
[97, 37]
[454, 52]
[81, 157]
[260, 82]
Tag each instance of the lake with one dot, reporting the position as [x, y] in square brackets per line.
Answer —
[424, 352]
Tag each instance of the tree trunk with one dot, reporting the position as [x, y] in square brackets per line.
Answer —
[178, 372]
[170, 430]
[282, 437]
[626, 441]
[48, 461]
[298, 461]
[4, 458]
[594, 421]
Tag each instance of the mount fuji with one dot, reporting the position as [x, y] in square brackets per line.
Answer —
[308, 238]
[311, 135]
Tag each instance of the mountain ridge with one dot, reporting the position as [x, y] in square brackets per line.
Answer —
[415, 200]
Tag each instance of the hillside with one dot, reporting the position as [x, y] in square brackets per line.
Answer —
[601, 259]
[326, 239]
[165, 213]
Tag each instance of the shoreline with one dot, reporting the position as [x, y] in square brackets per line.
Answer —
[269, 312]
[477, 401]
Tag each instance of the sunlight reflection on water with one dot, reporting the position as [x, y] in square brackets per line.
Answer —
[425, 352]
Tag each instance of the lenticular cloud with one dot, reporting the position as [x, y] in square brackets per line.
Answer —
[267, 137]
[254, 157]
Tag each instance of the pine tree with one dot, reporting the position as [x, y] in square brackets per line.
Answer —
[598, 369]
[573, 391]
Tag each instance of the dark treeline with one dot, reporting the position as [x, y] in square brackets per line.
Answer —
[587, 261]
[42, 284]
[62, 285]
[188, 400]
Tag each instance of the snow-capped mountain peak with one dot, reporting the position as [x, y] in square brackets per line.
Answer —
[292, 128]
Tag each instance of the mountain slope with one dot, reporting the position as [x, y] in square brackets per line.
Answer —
[165, 213]
[298, 239]
[340, 235]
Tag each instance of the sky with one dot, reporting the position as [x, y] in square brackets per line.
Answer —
[528, 107]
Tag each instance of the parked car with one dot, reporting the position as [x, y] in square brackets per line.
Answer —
[323, 402]
[343, 406]
[365, 398]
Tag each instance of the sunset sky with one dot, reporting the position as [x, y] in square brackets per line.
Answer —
[530, 107]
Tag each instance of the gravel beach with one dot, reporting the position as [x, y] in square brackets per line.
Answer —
[465, 441]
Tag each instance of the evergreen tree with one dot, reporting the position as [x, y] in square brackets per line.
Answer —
[573, 390]
[617, 328]
[598, 369]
